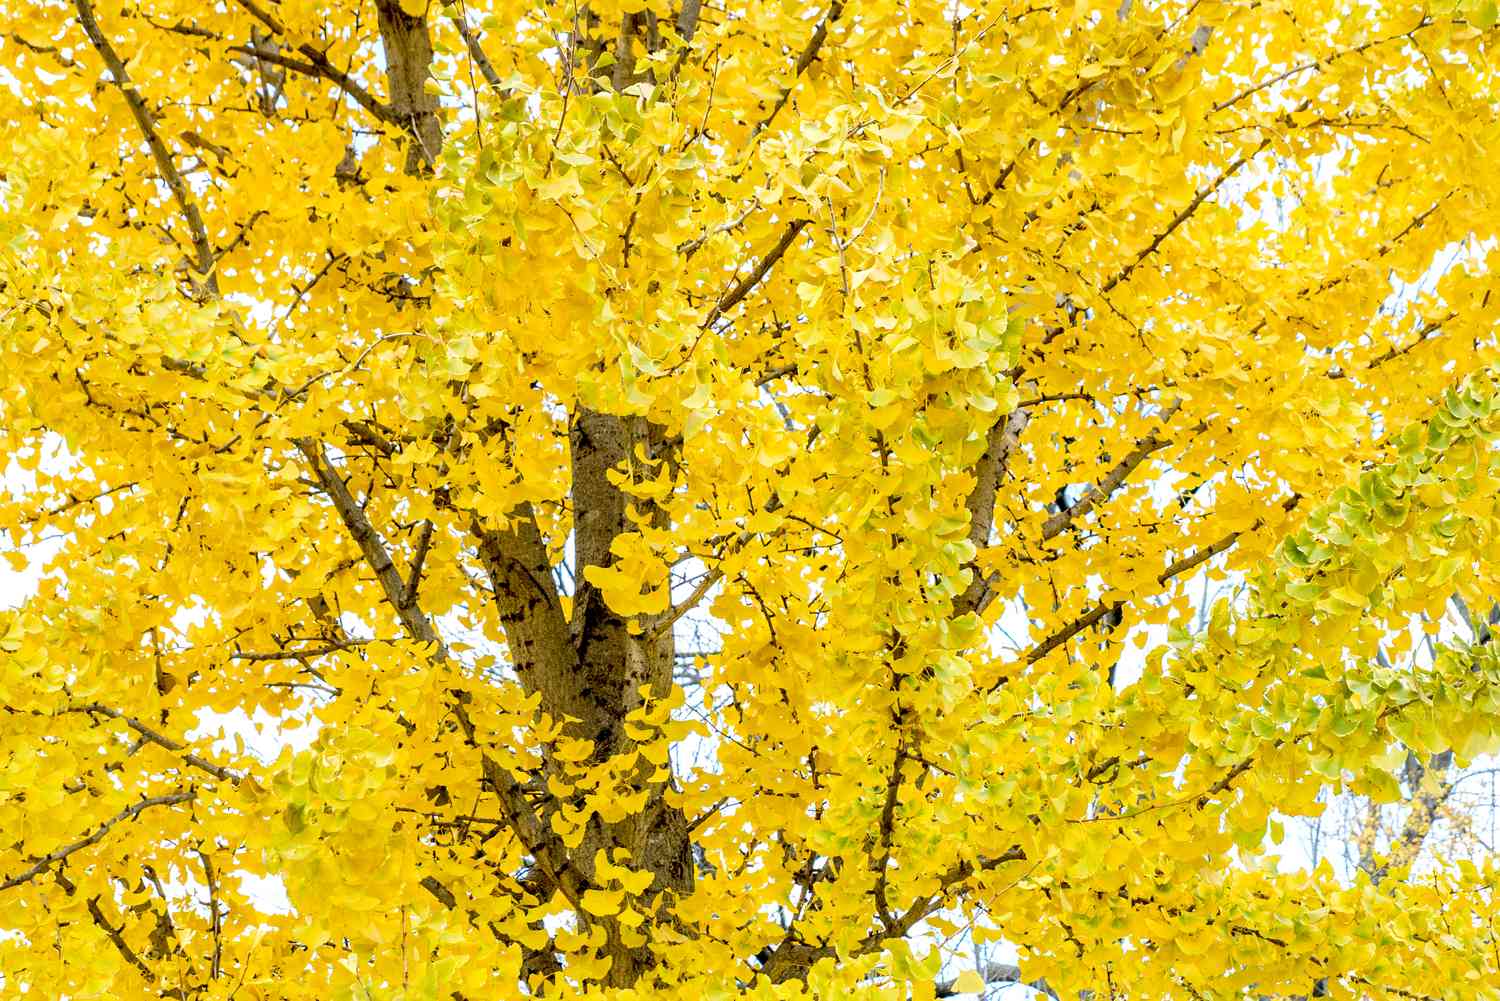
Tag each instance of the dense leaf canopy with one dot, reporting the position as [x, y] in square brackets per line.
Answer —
[708, 500]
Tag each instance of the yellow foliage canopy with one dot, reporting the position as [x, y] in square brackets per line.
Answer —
[707, 500]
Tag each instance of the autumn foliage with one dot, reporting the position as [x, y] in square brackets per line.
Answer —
[709, 500]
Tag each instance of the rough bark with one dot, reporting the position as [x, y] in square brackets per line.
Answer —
[408, 58]
[1003, 438]
[590, 670]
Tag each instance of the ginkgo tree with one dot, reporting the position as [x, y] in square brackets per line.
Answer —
[421, 375]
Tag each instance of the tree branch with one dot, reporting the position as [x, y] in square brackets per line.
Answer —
[319, 67]
[476, 51]
[526, 600]
[989, 472]
[804, 60]
[418, 561]
[1112, 481]
[1316, 64]
[1098, 612]
[370, 543]
[159, 739]
[333, 646]
[1181, 217]
[61, 854]
[743, 287]
[202, 248]
[215, 918]
[118, 940]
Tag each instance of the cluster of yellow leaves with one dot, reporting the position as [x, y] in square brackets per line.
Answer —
[1229, 266]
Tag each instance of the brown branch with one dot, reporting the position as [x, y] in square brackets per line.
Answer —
[419, 560]
[159, 739]
[407, 49]
[1181, 217]
[39, 49]
[804, 60]
[1004, 436]
[793, 957]
[535, 961]
[526, 601]
[677, 611]
[332, 646]
[61, 854]
[1203, 555]
[185, 28]
[538, 838]
[324, 70]
[1098, 612]
[317, 65]
[202, 248]
[921, 909]
[1315, 64]
[442, 894]
[1423, 335]
[687, 19]
[1208, 552]
[118, 939]
[690, 247]
[370, 543]
[1057, 639]
[1112, 481]
[476, 51]
[1004, 175]
[1430, 797]
[743, 287]
[1415, 223]
[977, 596]
[882, 866]
[75, 501]
[215, 919]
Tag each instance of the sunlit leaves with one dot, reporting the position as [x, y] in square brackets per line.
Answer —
[943, 358]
